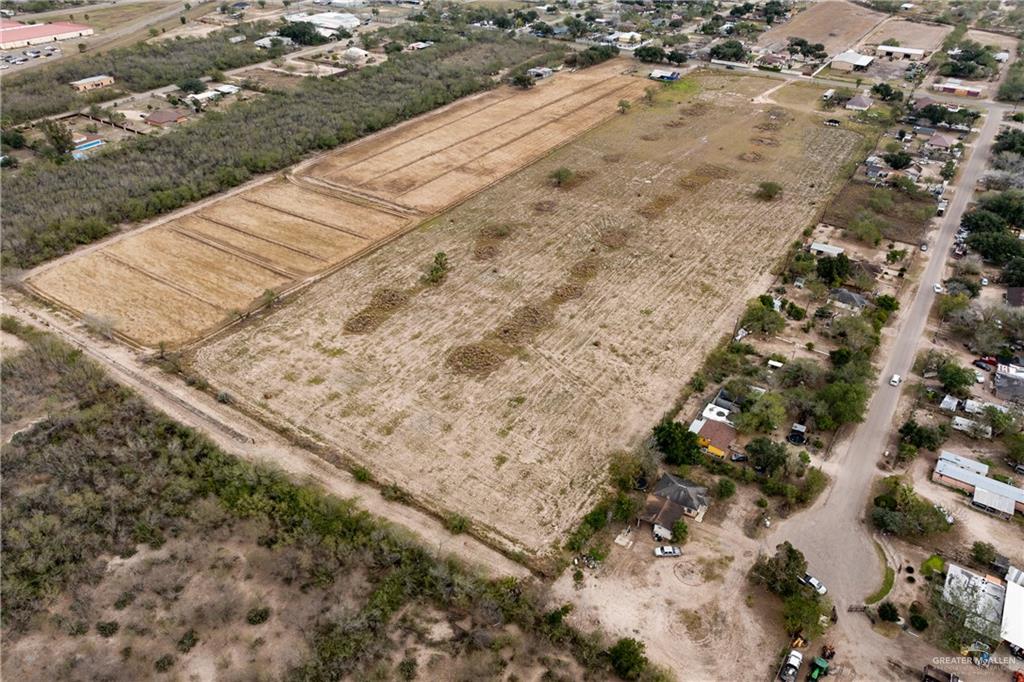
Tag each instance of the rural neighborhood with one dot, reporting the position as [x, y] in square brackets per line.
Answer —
[512, 340]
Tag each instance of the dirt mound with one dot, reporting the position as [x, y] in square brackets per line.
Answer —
[765, 141]
[487, 241]
[546, 206]
[650, 137]
[657, 206]
[612, 158]
[566, 292]
[524, 323]
[477, 358]
[713, 171]
[383, 303]
[613, 237]
[585, 269]
[751, 156]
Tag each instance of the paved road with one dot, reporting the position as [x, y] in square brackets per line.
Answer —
[834, 534]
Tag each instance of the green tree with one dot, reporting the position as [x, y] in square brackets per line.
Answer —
[980, 220]
[730, 50]
[650, 54]
[1013, 273]
[887, 611]
[767, 191]
[984, 553]
[802, 613]
[898, 160]
[763, 416]
[624, 106]
[767, 455]
[628, 658]
[725, 489]
[59, 138]
[192, 85]
[523, 81]
[956, 379]
[762, 319]
[680, 532]
[782, 572]
[840, 403]
[833, 270]
[996, 247]
[676, 442]
[438, 269]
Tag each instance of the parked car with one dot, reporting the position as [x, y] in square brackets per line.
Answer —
[937, 288]
[895, 380]
[924, 247]
[668, 551]
[984, 281]
[814, 583]
[832, 123]
[738, 457]
[979, 377]
[981, 364]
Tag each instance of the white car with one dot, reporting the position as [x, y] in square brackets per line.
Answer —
[984, 281]
[937, 288]
[895, 380]
[667, 551]
[814, 583]
[979, 377]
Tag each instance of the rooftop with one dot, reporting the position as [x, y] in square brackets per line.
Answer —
[855, 58]
[13, 30]
[973, 478]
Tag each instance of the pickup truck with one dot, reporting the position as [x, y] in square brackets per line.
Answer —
[791, 666]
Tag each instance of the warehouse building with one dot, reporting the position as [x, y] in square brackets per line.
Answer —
[14, 34]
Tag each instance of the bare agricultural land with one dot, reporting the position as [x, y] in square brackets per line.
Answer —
[189, 275]
[569, 318]
[909, 34]
[836, 24]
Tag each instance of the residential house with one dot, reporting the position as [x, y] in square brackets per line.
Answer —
[166, 117]
[267, 42]
[987, 494]
[971, 427]
[939, 142]
[859, 103]
[715, 437]
[672, 499]
[92, 82]
[844, 298]
[982, 595]
[1008, 382]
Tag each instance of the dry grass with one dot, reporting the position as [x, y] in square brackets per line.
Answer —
[592, 313]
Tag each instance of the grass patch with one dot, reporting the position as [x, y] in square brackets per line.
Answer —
[932, 565]
[901, 217]
[883, 591]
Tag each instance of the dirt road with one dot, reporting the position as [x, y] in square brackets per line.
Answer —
[246, 439]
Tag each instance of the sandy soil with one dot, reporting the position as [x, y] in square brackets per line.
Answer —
[576, 328]
[198, 271]
[908, 34]
[835, 23]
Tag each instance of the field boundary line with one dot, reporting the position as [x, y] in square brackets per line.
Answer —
[293, 214]
[351, 195]
[537, 157]
[160, 279]
[491, 131]
[214, 243]
[229, 226]
[301, 285]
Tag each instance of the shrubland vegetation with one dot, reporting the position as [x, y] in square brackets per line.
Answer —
[897, 509]
[144, 66]
[103, 475]
[146, 177]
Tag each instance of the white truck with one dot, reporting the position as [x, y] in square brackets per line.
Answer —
[791, 666]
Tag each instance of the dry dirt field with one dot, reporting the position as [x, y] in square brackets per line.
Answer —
[836, 23]
[568, 321]
[184, 277]
[908, 34]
